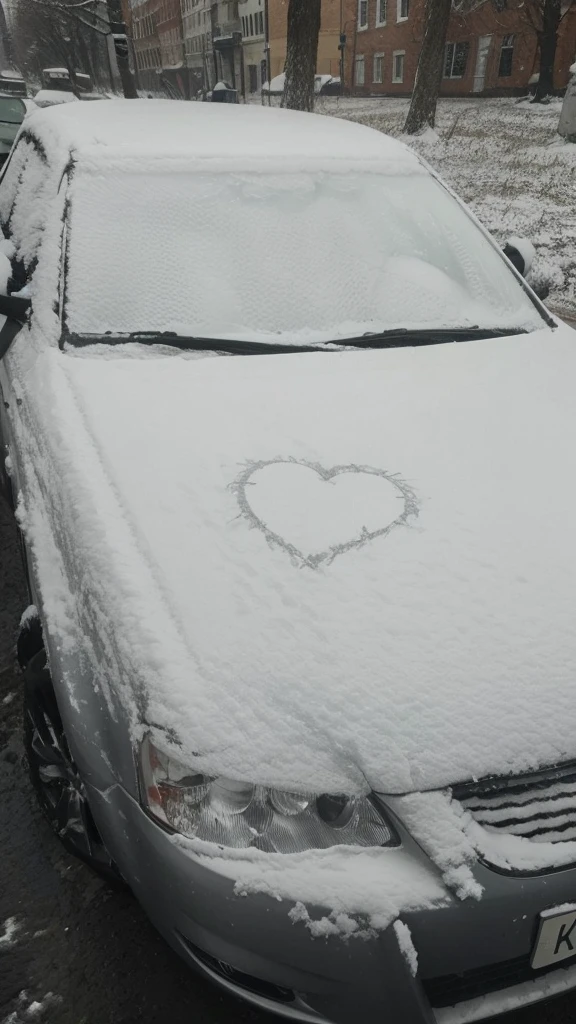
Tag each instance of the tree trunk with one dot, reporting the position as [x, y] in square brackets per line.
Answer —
[302, 50]
[422, 111]
[548, 39]
[118, 29]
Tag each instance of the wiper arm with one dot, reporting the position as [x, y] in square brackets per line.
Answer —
[400, 337]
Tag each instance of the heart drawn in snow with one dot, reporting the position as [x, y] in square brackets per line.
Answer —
[315, 514]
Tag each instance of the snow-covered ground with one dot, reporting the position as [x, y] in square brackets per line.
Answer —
[507, 161]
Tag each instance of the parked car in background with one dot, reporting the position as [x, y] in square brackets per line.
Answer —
[12, 84]
[57, 82]
[325, 85]
[300, 654]
[54, 97]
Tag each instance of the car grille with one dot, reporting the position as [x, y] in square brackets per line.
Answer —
[451, 989]
[541, 807]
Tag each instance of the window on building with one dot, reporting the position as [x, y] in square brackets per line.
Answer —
[253, 78]
[506, 57]
[402, 10]
[378, 73]
[244, 32]
[251, 25]
[261, 22]
[456, 59]
[362, 13]
[381, 11]
[398, 66]
[359, 76]
[263, 72]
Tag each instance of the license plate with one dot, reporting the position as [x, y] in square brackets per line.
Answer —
[556, 938]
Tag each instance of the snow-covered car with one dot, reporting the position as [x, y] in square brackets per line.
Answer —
[301, 543]
[323, 84]
[53, 97]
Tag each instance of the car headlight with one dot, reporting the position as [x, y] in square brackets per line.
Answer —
[241, 815]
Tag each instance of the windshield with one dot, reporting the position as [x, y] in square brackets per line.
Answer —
[295, 258]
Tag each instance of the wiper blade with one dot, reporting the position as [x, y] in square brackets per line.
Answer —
[228, 345]
[193, 344]
[400, 337]
[395, 338]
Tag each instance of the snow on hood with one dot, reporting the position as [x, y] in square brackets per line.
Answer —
[369, 558]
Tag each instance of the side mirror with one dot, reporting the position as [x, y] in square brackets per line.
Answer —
[521, 253]
[14, 307]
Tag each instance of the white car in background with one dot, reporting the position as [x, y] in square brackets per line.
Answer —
[53, 97]
[301, 541]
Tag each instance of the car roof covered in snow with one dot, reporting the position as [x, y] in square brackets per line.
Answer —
[164, 130]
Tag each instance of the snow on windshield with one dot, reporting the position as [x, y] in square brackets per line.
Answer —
[291, 257]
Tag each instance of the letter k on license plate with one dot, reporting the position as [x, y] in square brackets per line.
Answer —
[556, 939]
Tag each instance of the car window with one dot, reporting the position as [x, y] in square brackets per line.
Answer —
[10, 180]
[22, 200]
[12, 110]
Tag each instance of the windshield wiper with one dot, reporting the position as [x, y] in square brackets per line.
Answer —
[400, 337]
[224, 345]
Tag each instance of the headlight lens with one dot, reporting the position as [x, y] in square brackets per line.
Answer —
[240, 815]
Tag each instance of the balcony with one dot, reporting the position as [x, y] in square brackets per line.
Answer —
[228, 34]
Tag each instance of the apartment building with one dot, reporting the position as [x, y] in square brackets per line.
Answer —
[227, 43]
[333, 11]
[197, 33]
[169, 29]
[147, 53]
[252, 13]
[491, 50]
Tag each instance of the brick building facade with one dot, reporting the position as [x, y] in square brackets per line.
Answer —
[492, 50]
[141, 25]
[328, 62]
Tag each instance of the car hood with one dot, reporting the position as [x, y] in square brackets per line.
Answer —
[370, 556]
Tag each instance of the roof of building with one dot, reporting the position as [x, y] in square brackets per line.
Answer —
[165, 129]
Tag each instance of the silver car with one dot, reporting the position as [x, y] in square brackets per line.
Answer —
[301, 546]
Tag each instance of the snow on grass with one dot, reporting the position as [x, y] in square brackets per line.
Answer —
[506, 160]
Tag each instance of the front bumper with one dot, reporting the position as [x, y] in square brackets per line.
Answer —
[250, 946]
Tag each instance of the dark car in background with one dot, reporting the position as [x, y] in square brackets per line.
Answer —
[12, 84]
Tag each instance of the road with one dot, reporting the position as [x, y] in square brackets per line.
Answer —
[85, 953]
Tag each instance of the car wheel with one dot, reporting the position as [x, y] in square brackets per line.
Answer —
[54, 775]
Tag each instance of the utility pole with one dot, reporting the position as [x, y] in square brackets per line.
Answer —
[267, 47]
[120, 39]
